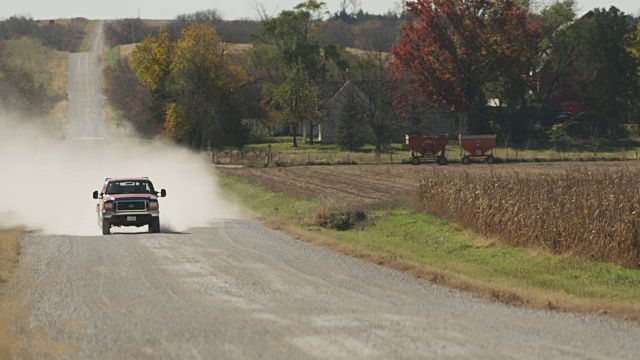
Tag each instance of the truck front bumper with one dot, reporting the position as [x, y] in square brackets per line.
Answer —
[122, 218]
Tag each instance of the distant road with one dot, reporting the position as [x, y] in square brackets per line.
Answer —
[237, 290]
[86, 114]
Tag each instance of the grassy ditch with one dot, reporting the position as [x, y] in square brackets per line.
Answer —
[445, 253]
[9, 252]
[49, 68]
[88, 32]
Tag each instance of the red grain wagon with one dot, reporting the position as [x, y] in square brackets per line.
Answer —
[477, 146]
[427, 147]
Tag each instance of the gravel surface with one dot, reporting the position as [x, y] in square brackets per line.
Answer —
[85, 92]
[237, 290]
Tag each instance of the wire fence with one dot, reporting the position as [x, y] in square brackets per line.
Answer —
[539, 151]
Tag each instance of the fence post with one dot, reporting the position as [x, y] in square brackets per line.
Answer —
[268, 159]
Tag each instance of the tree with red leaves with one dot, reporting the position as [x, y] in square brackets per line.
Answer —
[454, 50]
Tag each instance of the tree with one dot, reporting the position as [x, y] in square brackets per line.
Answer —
[17, 27]
[290, 39]
[556, 54]
[151, 61]
[373, 73]
[634, 47]
[351, 133]
[126, 31]
[609, 81]
[454, 48]
[295, 33]
[132, 99]
[296, 100]
[197, 83]
[211, 18]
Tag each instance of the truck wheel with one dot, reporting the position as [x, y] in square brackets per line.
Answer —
[106, 227]
[154, 225]
[415, 160]
[466, 160]
[442, 160]
[491, 159]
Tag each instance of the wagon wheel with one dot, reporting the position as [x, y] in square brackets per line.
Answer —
[442, 160]
[415, 160]
[491, 159]
[466, 160]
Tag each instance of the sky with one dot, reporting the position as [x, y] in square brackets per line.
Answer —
[230, 9]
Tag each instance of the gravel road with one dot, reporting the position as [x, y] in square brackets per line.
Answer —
[86, 116]
[237, 290]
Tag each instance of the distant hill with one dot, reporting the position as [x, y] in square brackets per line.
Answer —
[375, 33]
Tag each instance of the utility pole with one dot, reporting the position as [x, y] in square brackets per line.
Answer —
[133, 34]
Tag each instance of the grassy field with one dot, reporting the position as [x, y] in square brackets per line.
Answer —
[445, 253]
[157, 22]
[48, 66]
[111, 56]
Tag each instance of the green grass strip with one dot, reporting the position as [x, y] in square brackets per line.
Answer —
[111, 56]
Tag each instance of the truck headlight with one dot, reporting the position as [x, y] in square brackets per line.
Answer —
[153, 205]
[108, 206]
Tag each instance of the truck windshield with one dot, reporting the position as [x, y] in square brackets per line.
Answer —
[130, 187]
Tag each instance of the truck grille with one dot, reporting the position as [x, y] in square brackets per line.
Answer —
[131, 206]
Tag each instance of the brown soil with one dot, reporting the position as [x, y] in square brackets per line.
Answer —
[380, 184]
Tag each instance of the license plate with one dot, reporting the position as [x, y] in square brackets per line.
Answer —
[131, 218]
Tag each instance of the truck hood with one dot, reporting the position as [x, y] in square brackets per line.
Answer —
[130, 196]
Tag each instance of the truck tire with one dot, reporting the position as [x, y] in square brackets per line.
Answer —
[415, 160]
[441, 160]
[154, 225]
[106, 227]
[466, 160]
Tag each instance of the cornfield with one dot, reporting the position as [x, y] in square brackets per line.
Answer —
[588, 213]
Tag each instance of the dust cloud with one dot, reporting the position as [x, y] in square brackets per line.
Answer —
[46, 183]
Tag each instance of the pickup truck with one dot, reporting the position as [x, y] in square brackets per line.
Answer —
[128, 202]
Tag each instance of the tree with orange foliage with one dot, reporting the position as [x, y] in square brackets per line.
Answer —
[199, 84]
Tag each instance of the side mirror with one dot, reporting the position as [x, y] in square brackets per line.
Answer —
[95, 194]
[163, 193]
